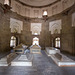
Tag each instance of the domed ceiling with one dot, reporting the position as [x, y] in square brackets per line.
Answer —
[37, 3]
[31, 8]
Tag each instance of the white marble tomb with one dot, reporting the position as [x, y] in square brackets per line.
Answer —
[51, 50]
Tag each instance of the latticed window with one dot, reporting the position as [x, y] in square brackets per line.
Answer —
[13, 41]
[57, 42]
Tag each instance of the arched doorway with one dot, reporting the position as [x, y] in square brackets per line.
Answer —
[35, 41]
[13, 41]
[57, 42]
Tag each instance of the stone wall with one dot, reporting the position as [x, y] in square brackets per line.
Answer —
[67, 34]
[4, 31]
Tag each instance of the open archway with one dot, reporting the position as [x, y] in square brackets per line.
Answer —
[57, 42]
[13, 41]
[35, 41]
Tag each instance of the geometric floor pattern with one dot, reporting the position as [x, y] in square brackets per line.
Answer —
[42, 65]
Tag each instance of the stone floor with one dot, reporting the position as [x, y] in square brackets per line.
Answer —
[3, 54]
[42, 65]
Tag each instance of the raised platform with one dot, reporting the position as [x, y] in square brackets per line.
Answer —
[6, 61]
[63, 61]
[51, 50]
[20, 48]
[22, 57]
[3, 62]
[35, 49]
[22, 60]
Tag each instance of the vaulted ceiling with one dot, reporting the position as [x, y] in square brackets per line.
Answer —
[38, 3]
[35, 8]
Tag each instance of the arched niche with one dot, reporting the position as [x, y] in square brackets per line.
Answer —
[16, 25]
[55, 27]
[36, 28]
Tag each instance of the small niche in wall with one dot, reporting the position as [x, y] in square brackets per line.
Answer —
[55, 27]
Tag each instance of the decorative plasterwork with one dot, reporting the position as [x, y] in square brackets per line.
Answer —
[65, 4]
[33, 12]
[73, 19]
[36, 28]
[36, 13]
[54, 9]
[18, 8]
[55, 27]
[16, 25]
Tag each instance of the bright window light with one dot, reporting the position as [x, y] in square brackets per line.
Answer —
[57, 42]
[45, 13]
[13, 42]
[35, 33]
[35, 41]
[6, 2]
